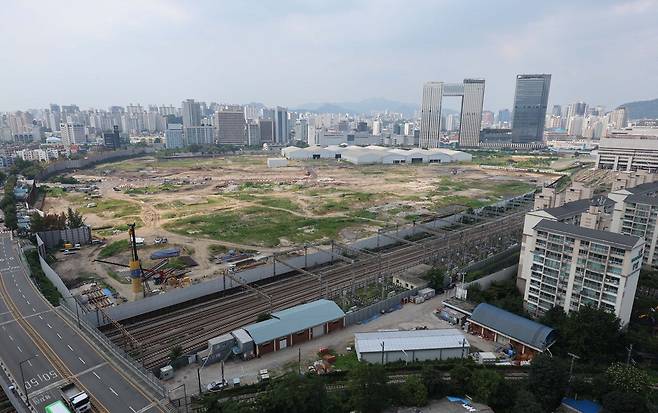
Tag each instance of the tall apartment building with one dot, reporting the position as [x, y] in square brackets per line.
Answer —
[174, 136]
[230, 125]
[199, 135]
[570, 266]
[73, 133]
[635, 213]
[281, 127]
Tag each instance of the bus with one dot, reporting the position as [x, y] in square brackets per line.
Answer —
[57, 407]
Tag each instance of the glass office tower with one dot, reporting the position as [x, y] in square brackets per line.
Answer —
[530, 102]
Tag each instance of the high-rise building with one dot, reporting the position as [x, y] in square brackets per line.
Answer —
[281, 127]
[231, 125]
[191, 113]
[530, 103]
[472, 93]
[174, 136]
[575, 126]
[557, 110]
[266, 127]
[619, 118]
[253, 132]
[199, 135]
[487, 119]
[112, 139]
[504, 117]
[301, 130]
[73, 133]
[377, 127]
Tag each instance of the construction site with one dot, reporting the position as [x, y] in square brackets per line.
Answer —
[232, 212]
[190, 280]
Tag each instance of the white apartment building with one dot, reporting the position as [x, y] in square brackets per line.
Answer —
[174, 136]
[635, 213]
[571, 266]
[33, 155]
[73, 133]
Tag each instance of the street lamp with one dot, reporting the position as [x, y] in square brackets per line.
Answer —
[573, 359]
[20, 366]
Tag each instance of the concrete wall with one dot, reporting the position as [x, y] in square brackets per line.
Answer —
[418, 355]
[52, 239]
[61, 166]
[376, 308]
[52, 274]
[498, 276]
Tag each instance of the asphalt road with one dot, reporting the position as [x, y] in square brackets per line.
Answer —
[112, 389]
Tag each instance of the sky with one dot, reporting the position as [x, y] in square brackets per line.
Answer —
[289, 52]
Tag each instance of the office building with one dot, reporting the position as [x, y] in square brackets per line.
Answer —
[191, 113]
[231, 125]
[571, 266]
[174, 136]
[112, 139]
[619, 118]
[629, 151]
[301, 130]
[530, 102]
[377, 127]
[281, 127]
[266, 127]
[253, 132]
[504, 117]
[73, 133]
[472, 93]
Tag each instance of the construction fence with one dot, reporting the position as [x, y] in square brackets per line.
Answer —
[55, 238]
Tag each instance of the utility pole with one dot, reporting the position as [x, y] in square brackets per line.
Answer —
[573, 359]
[382, 353]
[630, 352]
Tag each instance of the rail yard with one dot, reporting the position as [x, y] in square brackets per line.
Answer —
[152, 336]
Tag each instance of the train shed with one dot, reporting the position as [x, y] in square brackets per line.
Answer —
[527, 337]
[296, 325]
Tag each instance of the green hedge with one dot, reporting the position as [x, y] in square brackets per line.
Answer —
[46, 287]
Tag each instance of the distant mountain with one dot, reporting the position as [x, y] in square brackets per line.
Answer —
[363, 106]
[642, 109]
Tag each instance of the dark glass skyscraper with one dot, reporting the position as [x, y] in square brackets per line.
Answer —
[530, 102]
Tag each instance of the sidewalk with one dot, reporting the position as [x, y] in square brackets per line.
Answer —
[411, 315]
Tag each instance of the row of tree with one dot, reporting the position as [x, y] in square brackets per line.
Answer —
[8, 203]
[48, 222]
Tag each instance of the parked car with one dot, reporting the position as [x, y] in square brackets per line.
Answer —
[216, 385]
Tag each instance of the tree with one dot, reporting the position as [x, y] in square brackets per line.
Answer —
[413, 392]
[368, 388]
[175, 353]
[555, 317]
[484, 384]
[591, 333]
[37, 223]
[436, 278]
[436, 387]
[74, 219]
[459, 377]
[526, 403]
[629, 379]
[622, 402]
[293, 393]
[548, 379]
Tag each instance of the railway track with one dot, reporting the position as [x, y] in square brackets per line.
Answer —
[191, 326]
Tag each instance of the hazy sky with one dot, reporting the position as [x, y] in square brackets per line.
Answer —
[287, 52]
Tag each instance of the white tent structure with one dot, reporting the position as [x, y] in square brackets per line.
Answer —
[374, 154]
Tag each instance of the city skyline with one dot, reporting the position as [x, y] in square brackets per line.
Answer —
[300, 43]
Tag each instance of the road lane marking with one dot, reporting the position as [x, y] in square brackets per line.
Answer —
[29, 362]
[11, 338]
[95, 374]
[49, 326]
[133, 410]
[70, 348]
[83, 362]
[19, 348]
[58, 335]
[115, 393]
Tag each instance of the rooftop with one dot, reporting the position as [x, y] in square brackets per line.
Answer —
[578, 207]
[595, 235]
[409, 340]
[294, 319]
[528, 332]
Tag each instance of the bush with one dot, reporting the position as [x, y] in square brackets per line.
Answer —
[46, 287]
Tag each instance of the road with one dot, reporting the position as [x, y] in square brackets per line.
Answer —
[54, 351]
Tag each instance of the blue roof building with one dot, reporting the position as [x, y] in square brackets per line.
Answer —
[581, 406]
[296, 325]
[526, 336]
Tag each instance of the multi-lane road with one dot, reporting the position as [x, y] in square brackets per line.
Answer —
[52, 351]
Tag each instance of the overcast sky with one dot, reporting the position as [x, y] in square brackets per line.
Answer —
[288, 52]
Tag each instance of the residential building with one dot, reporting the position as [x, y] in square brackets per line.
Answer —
[619, 118]
[564, 263]
[32, 155]
[73, 133]
[199, 135]
[231, 125]
[530, 103]
[112, 139]
[174, 136]
[253, 132]
[191, 113]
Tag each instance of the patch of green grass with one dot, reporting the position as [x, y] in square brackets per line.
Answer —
[364, 213]
[44, 285]
[274, 202]
[347, 361]
[460, 200]
[260, 226]
[55, 192]
[113, 208]
[114, 248]
[116, 277]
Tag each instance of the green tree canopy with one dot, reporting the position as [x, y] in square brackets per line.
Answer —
[368, 388]
[484, 384]
[626, 378]
[547, 379]
[526, 403]
[413, 392]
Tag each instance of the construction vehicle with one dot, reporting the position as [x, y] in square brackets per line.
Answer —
[75, 398]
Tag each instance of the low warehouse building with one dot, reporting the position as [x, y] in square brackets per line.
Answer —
[413, 345]
[296, 325]
[527, 337]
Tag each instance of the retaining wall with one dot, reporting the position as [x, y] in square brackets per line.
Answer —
[61, 166]
[502, 275]
[376, 308]
[50, 273]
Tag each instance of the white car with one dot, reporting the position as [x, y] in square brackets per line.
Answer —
[216, 386]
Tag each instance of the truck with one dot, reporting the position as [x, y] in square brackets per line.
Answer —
[75, 398]
[57, 407]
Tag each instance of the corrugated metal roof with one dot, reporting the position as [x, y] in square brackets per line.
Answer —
[294, 319]
[578, 207]
[595, 235]
[409, 340]
[519, 328]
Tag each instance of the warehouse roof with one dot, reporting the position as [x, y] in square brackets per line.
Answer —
[409, 340]
[528, 332]
[294, 319]
[595, 235]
